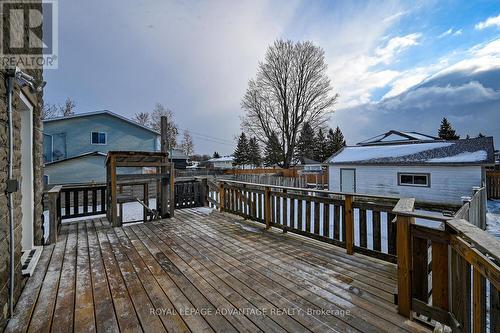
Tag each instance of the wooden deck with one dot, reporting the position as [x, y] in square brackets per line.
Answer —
[204, 272]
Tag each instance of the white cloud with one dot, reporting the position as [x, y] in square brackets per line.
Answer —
[355, 75]
[489, 22]
[464, 90]
[396, 45]
[452, 32]
[446, 33]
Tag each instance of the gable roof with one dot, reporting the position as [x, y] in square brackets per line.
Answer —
[102, 112]
[90, 153]
[178, 154]
[477, 151]
[394, 136]
[307, 161]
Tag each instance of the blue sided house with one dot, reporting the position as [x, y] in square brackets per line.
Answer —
[75, 146]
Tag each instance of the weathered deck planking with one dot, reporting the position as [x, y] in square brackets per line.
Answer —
[202, 272]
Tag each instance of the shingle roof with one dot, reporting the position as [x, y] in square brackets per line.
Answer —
[90, 153]
[394, 136]
[477, 151]
[307, 161]
[94, 113]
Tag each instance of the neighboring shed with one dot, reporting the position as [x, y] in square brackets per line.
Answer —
[179, 158]
[428, 170]
[222, 163]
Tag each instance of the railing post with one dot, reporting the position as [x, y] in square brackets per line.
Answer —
[267, 207]
[403, 251]
[349, 224]
[54, 213]
[204, 192]
[221, 197]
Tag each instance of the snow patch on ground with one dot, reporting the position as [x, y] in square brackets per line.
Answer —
[493, 218]
[464, 157]
[203, 210]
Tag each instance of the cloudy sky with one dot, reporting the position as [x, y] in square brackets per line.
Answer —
[395, 64]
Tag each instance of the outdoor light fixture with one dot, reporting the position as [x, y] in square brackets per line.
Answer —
[34, 85]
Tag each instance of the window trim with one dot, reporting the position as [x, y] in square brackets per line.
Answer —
[105, 138]
[426, 174]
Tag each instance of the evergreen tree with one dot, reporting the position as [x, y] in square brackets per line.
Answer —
[272, 152]
[241, 154]
[254, 152]
[305, 145]
[216, 155]
[335, 141]
[320, 146]
[446, 131]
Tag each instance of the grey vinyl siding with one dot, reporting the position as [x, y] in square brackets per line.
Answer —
[447, 183]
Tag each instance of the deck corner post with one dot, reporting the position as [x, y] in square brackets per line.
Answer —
[403, 251]
[222, 197]
[349, 224]
[54, 215]
[267, 207]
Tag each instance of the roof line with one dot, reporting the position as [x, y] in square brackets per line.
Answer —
[93, 113]
[90, 153]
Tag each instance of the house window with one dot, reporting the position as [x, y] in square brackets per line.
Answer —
[414, 179]
[98, 138]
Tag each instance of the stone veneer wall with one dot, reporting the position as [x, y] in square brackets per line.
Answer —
[38, 188]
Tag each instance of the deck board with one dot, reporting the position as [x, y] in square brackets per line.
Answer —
[204, 272]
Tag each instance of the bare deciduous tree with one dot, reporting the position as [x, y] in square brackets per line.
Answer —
[172, 129]
[50, 111]
[68, 108]
[187, 144]
[290, 89]
[142, 118]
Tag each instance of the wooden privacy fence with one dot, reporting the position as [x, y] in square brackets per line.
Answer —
[448, 269]
[493, 184]
[474, 208]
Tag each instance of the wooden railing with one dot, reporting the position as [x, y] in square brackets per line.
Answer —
[65, 202]
[448, 269]
[449, 274]
[73, 201]
[190, 193]
[359, 223]
[493, 184]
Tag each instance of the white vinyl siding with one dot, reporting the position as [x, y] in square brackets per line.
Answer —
[447, 183]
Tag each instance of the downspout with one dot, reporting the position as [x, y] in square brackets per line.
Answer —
[10, 88]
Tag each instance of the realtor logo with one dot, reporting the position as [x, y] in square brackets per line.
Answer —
[29, 34]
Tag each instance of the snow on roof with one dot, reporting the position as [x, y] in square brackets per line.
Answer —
[465, 157]
[466, 151]
[222, 159]
[361, 153]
